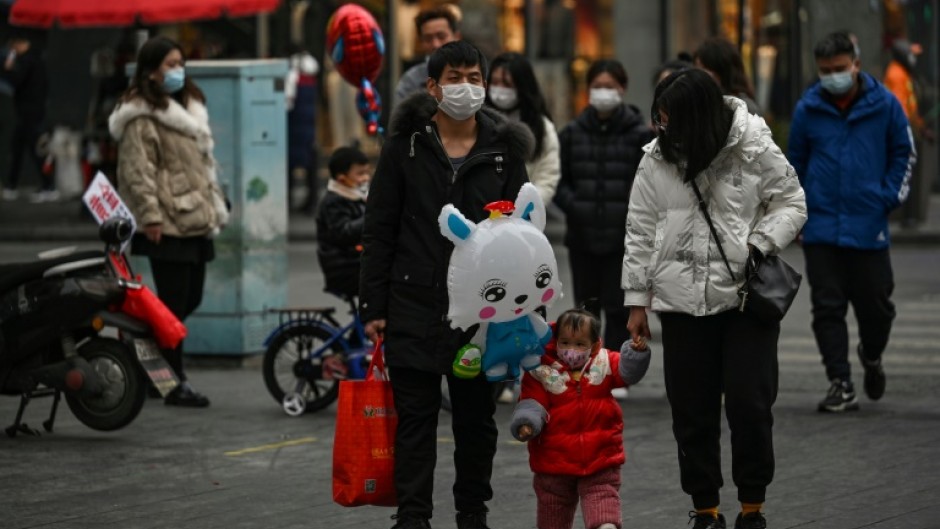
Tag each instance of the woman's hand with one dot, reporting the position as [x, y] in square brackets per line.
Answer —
[154, 232]
[638, 326]
[754, 258]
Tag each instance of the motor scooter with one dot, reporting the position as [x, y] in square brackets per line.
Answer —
[52, 314]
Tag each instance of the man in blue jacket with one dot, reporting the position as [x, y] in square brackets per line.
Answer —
[852, 148]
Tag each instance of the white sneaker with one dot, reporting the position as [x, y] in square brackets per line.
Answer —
[10, 194]
[44, 196]
[620, 393]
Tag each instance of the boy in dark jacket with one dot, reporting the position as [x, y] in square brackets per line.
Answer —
[442, 148]
[339, 221]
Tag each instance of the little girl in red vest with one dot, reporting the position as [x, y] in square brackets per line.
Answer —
[574, 423]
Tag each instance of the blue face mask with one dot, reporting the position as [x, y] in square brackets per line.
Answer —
[837, 83]
[173, 80]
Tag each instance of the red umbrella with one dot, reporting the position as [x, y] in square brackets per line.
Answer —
[92, 13]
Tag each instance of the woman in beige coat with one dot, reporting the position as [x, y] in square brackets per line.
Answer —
[166, 174]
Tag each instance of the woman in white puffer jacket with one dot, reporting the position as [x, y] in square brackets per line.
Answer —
[673, 266]
[513, 90]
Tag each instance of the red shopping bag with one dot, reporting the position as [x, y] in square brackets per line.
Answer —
[364, 444]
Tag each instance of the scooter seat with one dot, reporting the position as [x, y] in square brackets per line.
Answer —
[13, 275]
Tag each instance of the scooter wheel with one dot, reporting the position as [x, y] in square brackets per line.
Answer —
[122, 392]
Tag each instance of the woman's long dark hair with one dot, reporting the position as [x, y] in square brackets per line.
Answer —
[699, 120]
[720, 56]
[149, 58]
[532, 108]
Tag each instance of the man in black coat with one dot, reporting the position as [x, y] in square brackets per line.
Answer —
[442, 149]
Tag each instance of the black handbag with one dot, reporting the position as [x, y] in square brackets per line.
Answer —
[770, 286]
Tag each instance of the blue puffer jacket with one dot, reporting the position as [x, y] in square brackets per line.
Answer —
[855, 168]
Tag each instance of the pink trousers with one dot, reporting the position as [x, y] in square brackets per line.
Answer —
[558, 497]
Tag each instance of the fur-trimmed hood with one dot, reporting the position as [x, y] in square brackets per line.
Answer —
[192, 121]
[413, 115]
[186, 144]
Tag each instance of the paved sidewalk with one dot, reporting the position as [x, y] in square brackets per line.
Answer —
[242, 463]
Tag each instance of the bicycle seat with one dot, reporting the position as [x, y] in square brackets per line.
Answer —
[15, 274]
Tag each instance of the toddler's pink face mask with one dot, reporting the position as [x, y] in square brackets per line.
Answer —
[574, 358]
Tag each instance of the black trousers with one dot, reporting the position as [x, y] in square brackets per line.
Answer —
[7, 124]
[418, 403]
[25, 138]
[838, 276]
[703, 357]
[179, 286]
[598, 276]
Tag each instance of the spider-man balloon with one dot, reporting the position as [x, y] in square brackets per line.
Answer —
[355, 43]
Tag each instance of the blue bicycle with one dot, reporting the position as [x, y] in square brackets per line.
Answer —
[309, 353]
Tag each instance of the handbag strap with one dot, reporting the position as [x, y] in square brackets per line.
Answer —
[711, 226]
[377, 369]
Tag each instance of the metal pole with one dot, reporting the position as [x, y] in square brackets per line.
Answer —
[664, 33]
[795, 58]
[529, 29]
[263, 36]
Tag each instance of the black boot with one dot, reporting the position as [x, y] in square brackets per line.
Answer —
[184, 395]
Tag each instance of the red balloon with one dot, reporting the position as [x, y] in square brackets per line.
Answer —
[355, 43]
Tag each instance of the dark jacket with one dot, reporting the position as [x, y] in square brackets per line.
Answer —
[598, 162]
[28, 78]
[339, 242]
[855, 166]
[405, 257]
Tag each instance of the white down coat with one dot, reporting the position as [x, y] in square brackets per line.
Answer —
[671, 263]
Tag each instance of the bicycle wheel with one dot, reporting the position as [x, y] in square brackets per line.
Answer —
[290, 368]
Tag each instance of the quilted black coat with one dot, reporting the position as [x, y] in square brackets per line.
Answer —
[598, 162]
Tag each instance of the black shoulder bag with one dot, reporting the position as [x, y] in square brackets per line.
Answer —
[769, 285]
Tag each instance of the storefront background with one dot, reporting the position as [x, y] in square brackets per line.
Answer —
[561, 37]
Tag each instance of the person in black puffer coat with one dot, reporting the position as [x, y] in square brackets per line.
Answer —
[442, 148]
[339, 221]
[600, 151]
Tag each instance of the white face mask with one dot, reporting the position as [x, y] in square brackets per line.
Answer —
[605, 99]
[504, 98]
[462, 100]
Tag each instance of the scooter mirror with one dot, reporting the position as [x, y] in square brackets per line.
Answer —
[115, 230]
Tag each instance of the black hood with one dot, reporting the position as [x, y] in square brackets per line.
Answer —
[414, 113]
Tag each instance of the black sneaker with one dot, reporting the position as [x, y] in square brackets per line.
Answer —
[410, 521]
[874, 376]
[472, 520]
[706, 521]
[184, 395]
[754, 520]
[841, 397]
